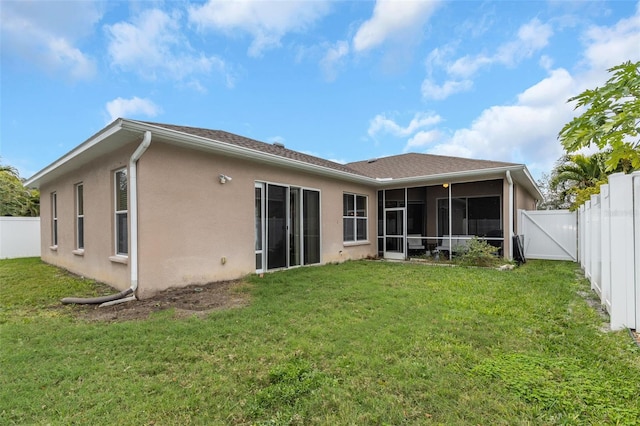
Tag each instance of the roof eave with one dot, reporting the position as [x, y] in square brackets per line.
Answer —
[225, 148]
[467, 176]
[455, 177]
[35, 180]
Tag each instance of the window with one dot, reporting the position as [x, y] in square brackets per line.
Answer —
[79, 216]
[54, 219]
[287, 221]
[479, 216]
[354, 217]
[121, 213]
[259, 219]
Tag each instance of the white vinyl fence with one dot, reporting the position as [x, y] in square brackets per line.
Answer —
[19, 237]
[549, 234]
[609, 247]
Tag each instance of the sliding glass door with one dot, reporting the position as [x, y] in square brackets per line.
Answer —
[276, 226]
[288, 219]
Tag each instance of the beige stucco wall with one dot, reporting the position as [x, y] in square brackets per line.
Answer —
[188, 221]
[523, 201]
[97, 178]
[193, 229]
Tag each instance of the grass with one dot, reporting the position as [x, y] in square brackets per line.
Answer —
[356, 343]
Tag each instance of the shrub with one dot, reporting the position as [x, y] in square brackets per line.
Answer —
[479, 253]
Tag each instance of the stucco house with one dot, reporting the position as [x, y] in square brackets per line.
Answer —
[149, 206]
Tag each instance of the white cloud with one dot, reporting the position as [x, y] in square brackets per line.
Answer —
[610, 46]
[382, 124]
[467, 66]
[422, 139]
[531, 38]
[431, 90]
[525, 132]
[333, 58]
[392, 19]
[154, 47]
[559, 84]
[46, 33]
[266, 21]
[120, 107]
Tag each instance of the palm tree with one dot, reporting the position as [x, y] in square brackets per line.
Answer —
[575, 173]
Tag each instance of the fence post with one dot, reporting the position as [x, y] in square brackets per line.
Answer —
[636, 220]
[605, 246]
[622, 251]
[581, 236]
[587, 241]
[596, 252]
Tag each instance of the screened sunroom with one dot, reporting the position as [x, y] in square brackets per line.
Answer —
[423, 220]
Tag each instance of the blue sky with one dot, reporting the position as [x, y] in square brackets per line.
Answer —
[345, 81]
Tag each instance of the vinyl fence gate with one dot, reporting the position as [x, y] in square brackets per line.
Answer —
[549, 234]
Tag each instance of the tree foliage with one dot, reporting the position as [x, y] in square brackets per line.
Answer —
[574, 179]
[15, 199]
[611, 119]
[554, 199]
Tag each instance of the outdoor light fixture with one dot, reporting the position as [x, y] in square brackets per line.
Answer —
[224, 178]
[445, 185]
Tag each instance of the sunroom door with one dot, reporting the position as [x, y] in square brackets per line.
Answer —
[277, 217]
[394, 233]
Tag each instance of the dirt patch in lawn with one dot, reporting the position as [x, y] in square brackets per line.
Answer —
[198, 300]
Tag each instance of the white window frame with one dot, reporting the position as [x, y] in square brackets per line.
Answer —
[263, 226]
[54, 220]
[355, 218]
[79, 216]
[118, 213]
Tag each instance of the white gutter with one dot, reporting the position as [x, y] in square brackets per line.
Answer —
[225, 148]
[511, 206]
[133, 197]
[128, 294]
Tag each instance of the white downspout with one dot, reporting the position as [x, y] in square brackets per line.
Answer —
[128, 294]
[133, 185]
[510, 224]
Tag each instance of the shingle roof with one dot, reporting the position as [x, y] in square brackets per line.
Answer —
[279, 150]
[405, 166]
[415, 165]
[396, 166]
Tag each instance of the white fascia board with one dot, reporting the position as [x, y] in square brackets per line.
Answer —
[203, 143]
[452, 177]
[519, 172]
[215, 146]
[34, 181]
[220, 147]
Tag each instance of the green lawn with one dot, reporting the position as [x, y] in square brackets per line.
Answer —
[357, 343]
